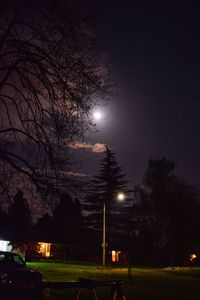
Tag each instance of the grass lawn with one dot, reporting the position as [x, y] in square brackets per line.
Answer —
[146, 283]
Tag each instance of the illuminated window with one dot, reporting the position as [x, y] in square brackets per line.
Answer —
[45, 248]
[115, 255]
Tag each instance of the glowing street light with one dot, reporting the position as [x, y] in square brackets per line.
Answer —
[193, 257]
[120, 197]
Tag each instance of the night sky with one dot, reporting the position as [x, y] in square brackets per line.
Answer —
[154, 51]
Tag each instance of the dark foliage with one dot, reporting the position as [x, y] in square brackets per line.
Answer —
[65, 223]
[105, 187]
[167, 214]
[18, 219]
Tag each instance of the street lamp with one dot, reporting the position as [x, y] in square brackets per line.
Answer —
[120, 197]
[104, 235]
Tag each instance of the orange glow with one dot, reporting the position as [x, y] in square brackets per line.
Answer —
[115, 255]
[44, 249]
[193, 256]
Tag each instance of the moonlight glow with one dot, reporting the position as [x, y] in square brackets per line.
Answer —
[97, 115]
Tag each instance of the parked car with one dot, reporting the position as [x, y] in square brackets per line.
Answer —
[16, 278]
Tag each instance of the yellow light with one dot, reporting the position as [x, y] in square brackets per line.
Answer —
[113, 255]
[193, 256]
[45, 248]
[120, 196]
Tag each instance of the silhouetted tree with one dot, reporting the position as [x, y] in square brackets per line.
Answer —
[157, 180]
[67, 210]
[19, 218]
[104, 189]
[43, 228]
[166, 211]
[183, 221]
[50, 76]
[3, 224]
[67, 218]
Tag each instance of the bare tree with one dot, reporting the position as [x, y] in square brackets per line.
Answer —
[50, 76]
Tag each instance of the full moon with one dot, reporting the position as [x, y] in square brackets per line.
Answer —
[97, 115]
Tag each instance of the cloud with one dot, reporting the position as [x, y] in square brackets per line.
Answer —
[79, 145]
[96, 148]
[77, 174]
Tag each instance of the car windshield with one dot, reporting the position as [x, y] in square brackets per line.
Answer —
[11, 259]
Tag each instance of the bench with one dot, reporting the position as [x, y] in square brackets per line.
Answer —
[117, 287]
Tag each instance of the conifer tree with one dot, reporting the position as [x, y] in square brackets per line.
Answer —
[105, 187]
[19, 217]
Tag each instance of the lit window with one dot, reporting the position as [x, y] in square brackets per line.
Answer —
[44, 249]
[115, 255]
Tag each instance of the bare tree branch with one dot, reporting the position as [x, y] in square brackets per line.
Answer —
[50, 78]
